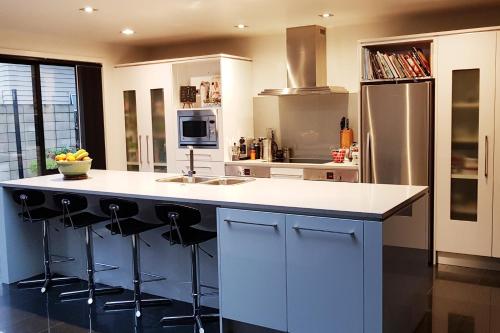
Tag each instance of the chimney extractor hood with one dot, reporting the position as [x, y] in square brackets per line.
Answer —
[306, 63]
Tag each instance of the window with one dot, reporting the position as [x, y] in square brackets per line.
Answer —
[39, 113]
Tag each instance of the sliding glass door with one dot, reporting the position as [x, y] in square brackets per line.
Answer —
[38, 117]
[19, 151]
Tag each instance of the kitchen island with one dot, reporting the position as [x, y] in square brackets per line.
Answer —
[293, 255]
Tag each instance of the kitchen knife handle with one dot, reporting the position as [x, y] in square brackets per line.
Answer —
[147, 148]
[140, 149]
[486, 156]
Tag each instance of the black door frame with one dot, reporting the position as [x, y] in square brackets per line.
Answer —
[35, 63]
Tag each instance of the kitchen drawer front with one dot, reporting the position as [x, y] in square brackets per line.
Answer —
[252, 272]
[201, 168]
[207, 155]
[324, 274]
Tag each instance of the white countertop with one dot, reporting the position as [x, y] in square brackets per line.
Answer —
[329, 165]
[345, 200]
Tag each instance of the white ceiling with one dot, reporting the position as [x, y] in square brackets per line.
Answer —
[175, 20]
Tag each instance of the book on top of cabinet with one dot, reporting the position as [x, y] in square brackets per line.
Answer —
[398, 64]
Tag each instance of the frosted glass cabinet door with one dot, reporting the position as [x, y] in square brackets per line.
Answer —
[158, 134]
[324, 274]
[465, 103]
[131, 132]
[252, 280]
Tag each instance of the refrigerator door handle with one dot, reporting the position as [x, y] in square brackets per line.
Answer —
[368, 159]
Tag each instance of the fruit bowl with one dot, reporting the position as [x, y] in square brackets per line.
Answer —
[71, 169]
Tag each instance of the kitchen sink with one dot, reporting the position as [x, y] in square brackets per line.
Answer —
[228, 181]
[184, 179]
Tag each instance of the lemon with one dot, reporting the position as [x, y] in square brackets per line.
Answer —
[70, 158]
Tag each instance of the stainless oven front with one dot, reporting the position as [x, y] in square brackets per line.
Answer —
[198, 128]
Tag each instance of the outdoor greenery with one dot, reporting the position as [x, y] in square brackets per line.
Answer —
[50, 163]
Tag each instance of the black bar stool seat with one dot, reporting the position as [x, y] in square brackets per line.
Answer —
[181, 219]
[40, 214]
[190, 236]
[121, 213]
[130, 226]
[73, 208]
[82, 220]
[32, 211]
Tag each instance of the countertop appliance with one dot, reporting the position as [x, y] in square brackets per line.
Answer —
[197, 128]
[397, 147]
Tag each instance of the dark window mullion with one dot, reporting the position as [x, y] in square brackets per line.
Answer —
[38, 111]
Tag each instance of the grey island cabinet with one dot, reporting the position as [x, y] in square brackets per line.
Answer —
[291, 255]
[290, 272]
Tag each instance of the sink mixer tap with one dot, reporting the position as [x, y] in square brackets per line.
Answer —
[191, 171]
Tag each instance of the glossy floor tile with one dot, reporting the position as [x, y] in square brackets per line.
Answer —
[462, 301]
[28, 311]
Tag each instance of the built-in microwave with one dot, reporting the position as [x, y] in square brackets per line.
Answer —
[198, 128]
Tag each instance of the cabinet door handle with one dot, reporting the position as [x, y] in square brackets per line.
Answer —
[347, 233]
[486, 156]
[147, 148]
[140, 149]
[274, 225]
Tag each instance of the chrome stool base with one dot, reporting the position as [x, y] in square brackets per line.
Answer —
[196, 319]
[90, 294]
[136, 305]
[47, 282]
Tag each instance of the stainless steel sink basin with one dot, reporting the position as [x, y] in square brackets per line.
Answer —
[184, 179]
[228, 181]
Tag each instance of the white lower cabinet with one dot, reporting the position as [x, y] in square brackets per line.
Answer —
[324, 262]
[290, 273]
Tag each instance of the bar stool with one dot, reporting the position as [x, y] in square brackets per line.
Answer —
[121, 214]
[32, 211]
[73, 215]
[181, 219]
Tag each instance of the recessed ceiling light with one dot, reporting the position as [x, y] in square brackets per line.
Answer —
[128, 31]
[88, 9]
[326, 15]
[241, 26]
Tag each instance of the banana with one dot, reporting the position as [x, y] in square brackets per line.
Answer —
[81, 156]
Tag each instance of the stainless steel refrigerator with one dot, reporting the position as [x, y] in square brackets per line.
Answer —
[397, 148]
[396, 133]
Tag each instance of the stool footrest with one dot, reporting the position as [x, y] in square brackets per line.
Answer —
[155, 277]
[61, 259]
[108, 267]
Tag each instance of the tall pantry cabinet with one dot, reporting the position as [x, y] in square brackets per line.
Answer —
[466, 90]
[145, 92]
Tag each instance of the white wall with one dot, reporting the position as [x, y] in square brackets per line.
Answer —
[50, 46]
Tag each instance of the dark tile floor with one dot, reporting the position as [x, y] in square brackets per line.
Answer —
[462, 301]
[28, 311]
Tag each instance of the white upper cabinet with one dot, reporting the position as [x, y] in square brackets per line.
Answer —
[465, 114]
[145, 94]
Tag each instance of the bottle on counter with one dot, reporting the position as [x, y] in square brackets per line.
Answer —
[253, 152]
[243, 149]
[235, 152]
[256, 146]
[274, 146]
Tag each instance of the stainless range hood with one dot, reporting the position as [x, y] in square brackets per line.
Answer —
[306, 63]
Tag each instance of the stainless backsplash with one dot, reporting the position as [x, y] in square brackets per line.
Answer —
[308, 125]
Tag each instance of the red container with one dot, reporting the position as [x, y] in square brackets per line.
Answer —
[338, 156]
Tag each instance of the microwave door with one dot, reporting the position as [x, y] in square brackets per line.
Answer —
[194, 129]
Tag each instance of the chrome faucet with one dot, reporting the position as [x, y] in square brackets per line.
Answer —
[191, 171]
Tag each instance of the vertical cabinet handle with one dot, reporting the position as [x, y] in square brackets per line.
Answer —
[486, 156]
[147, 148]
[140, 149]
